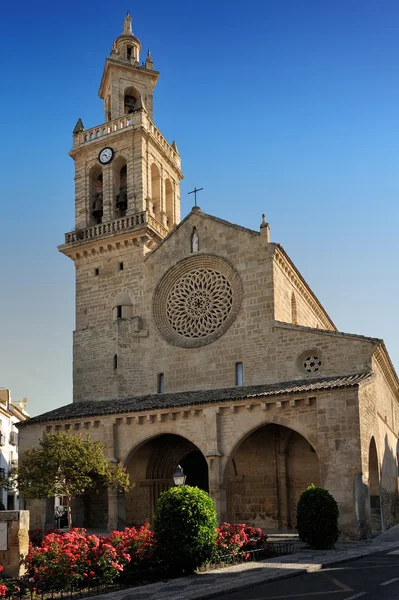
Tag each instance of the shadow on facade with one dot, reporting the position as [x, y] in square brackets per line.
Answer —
[151, 467]
[266, 474]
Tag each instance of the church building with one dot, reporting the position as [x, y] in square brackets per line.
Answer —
[199, 343]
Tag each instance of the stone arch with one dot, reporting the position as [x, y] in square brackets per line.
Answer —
[304, 431]
[266, 473]
[374, 486]
[156, 191]
[151, 465]
[170, 221]
[95, 194]
[130, 97]
[119, 184]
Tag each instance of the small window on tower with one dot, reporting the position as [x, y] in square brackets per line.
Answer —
[128, 53]
[239, 373]
[115, 362]
[119, 312]
[161, 383]
[121, 266]
[96, 271]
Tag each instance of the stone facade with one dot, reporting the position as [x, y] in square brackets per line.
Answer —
[198, 342]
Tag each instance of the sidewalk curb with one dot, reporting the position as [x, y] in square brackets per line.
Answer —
[250, 584]
[315, 567]
[247, 582]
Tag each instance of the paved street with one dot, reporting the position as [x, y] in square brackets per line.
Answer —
[373, 576]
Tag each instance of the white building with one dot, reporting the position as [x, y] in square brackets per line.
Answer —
[10, 413]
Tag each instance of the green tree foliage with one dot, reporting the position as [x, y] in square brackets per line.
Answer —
[67, 465]
[317, 518]
[185, 527]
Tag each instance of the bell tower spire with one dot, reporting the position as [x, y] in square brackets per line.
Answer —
[127, 24]
[124, 79]
[127, 175]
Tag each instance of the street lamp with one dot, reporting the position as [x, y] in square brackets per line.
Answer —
[179, 477]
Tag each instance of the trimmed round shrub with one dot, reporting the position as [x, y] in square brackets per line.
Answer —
[185, 528]
[317, 518]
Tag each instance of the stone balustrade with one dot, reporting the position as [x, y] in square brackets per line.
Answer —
[133, 120]
[127, 223]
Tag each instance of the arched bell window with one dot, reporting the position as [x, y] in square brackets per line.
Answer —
[96, 194]
[156, 191]
[120, 186]
[169, 203]
[130, 98]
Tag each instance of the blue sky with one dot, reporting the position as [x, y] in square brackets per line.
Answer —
[288, 107]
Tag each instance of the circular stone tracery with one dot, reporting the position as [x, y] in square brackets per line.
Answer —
[199, 303]
[197, 300]
[312, 364]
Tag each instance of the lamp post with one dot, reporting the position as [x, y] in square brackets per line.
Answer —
[179, 477]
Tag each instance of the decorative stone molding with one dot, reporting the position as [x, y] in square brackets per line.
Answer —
[384, 362]
[285, 264]
[197, 300]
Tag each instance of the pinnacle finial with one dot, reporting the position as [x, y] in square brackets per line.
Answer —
[127, 24]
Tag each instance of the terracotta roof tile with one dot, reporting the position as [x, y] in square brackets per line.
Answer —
[150, 402]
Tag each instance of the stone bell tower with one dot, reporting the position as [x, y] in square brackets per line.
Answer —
[127, 199]
[127, 175]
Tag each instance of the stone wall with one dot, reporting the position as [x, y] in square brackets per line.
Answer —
[328, 421]
[379, 419]
[268, 352]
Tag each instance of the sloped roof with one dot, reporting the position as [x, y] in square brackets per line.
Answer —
[79, 410]
[198, 211]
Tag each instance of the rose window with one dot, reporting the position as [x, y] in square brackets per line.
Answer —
[199, 303]
[312, 364]
[197, 300]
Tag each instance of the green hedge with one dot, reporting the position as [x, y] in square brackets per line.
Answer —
[317, 518]
[185, 528]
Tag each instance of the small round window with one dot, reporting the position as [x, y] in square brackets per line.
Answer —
[311, 361]
[312, 364]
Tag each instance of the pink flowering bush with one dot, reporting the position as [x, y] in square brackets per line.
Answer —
[237, 539]
[135, 545]
[75, 559]
[65, 560]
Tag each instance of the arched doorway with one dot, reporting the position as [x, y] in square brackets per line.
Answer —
[151, 467]
[266, 474]
[374, 487]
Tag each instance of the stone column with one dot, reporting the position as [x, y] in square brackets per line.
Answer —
[216, 489]
[215, 461]
[116, 511]
[14, 541]
[282, 486]
[108, 213]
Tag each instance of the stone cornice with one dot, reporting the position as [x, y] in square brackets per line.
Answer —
[335, 333]
[89, 249]
[282, 259]
[384, 362]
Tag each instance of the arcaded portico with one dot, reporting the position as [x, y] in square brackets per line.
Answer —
[199, 342]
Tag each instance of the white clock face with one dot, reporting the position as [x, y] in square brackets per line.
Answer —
[105, 155]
